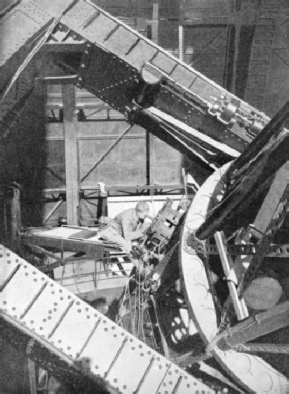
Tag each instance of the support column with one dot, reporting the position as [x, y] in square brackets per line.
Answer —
[155, 24]
[149, 136]
[71, 154]
[150, 160]
[181, 43]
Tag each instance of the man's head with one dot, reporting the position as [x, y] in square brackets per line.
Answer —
[142, 210]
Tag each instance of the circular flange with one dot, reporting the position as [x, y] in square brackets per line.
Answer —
[247, 370]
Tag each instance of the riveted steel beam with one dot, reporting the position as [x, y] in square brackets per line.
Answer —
[79, 345]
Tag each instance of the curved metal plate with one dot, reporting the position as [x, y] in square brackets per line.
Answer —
[247, 370]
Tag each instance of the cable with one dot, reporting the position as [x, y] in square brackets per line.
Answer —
[123, 299]
[140, 311]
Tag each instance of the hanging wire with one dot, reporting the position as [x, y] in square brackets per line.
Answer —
[126, 291]
[143, 316]
[139, 307]
[62, 275]
[139, 314]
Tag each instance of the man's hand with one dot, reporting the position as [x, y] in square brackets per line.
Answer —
[146, 226]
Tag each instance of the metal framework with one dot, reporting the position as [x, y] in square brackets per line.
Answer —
[62, 333]
[199, 118]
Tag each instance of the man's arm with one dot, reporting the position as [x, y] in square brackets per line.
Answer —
[129, 233]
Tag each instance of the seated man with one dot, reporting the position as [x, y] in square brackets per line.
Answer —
[126, 227]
